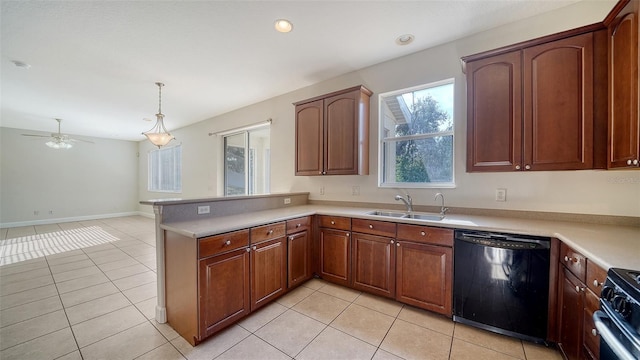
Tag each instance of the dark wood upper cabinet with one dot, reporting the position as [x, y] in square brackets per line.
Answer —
[531, 106]
[624, 124]
[332, 133]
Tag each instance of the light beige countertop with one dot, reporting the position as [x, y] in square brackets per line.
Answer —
[606, 245]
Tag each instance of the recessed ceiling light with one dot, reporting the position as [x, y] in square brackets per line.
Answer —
[20, 64]
[405, 39]
[283, 25]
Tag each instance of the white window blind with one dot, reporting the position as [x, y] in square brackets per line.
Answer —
[165, 169]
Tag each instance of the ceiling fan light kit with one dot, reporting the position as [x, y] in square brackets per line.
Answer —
[58, 144]
[158, 134]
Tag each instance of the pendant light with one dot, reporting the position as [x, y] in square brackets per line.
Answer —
[158, 135]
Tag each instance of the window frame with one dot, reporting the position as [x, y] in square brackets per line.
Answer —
[382, 141]
[150, 169]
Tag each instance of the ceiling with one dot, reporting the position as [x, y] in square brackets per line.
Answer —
[94, 63]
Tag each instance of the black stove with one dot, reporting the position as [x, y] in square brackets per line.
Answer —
[618, 320]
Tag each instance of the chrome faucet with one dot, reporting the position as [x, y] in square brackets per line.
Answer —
[443, 210]
[407, 202]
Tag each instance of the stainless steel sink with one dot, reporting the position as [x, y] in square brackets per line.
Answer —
[387, 213]
[413, 215]
[424, 216]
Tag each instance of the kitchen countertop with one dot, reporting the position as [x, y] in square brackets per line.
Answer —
[606, 245]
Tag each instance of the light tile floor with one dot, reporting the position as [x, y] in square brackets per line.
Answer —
[98, 302]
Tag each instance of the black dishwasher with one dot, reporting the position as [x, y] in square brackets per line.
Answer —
[501, 283]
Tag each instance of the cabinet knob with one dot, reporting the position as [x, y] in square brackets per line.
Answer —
[298, 225]
[594, 332]
[635, 161]
[228, 242]
[319, 172]
[333, 222]
[578, 288]
[248, 249]
[397, 244]
[527, 167]
[324, 173]
[596, 283]
[629, 162]
[370, 226]
[517, 167]
[270, 232]
[422, 233]
[290, 237]
[254, 248]
[348, 234]
[572, 259]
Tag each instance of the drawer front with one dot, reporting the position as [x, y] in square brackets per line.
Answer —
[574, 261]
[595, 277]
[298, 224]
[381, 228]
[425, 234]
[335, 222]
[267, 232]
[218, 244]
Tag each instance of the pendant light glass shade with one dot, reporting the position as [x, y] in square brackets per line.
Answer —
[158, 134]
[59, 144]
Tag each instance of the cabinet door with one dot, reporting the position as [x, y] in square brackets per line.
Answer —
[494, 113]
[571, 305]
[424, 276]
[224, 290]
[624, 140]
[299, 259]
[374, 264]
[341, 134]
[268, 271]
[309, 138]
[335, 253]
[558, 104]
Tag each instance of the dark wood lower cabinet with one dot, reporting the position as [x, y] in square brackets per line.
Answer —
[424, 276]
[299, 258]
[268, 271]
[374, 264]
[335, 255]
[571, 305]
[224, 290]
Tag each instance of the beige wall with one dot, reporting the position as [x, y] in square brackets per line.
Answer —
[87, 181]
[588, 192]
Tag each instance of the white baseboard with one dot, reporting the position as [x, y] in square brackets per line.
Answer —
[74, 218]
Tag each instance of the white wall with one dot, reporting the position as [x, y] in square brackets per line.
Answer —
[88, 180]
[587, 192]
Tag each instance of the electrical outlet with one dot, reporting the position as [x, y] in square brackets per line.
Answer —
[36, 212]
[501, 194]
[355, 190]
[204, 209]
[50, 212]
[322, 190]
[287, 201]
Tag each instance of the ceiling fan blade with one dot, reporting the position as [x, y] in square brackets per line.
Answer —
[75, 140]
[43, 136]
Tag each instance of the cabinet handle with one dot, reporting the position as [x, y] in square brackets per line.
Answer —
[527, 167]
[392, 241]
[635, 161]
[423, 233]
[227, 243]
[629, 162]
[370, 226]
[254, 248]
[596, 283]
[517, 167]
[578, 288]
[333, 222]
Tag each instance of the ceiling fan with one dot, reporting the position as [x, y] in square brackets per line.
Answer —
[59, 140]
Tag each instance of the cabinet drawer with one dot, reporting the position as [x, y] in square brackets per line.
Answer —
[595, 277]
[335, 222]
[217, 244]
[267, 232]
[574, 261]
[298, 224]
[381, 228]
[425, 234]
